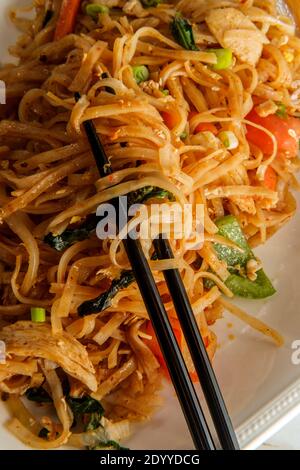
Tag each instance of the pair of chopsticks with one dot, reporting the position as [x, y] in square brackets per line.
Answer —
[179, 374]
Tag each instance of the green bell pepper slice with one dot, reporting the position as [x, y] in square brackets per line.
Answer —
[230, 229]
[236, 260]
[243, 287]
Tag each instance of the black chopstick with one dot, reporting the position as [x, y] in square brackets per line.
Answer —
[178, 371]
[194, 340]
[179, 374]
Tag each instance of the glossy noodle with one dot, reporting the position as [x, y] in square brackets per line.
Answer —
[199, 101]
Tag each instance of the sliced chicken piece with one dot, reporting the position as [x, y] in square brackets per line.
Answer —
[266, 108]
[35, 340]
[135, 8]
[239, 176]
[236, 31]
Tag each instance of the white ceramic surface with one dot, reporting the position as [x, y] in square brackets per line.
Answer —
[259, 381]
[288, 438]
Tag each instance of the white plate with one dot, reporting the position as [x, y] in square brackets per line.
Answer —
[260, 384]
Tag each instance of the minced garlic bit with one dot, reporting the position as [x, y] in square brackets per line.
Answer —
[289, 56]
[139, 374]
[293, 134]
[2, 352]
[266, 108]
[17, 192]
[60, 191]
[4, 164]
[209, 140]
[75, 219]
[280, 41]
[253, 265]
[159, 133]
[151, 87]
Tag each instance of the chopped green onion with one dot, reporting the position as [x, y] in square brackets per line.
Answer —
[229, 139]
[93, 10]
[183, 135]
[165, 92]
[183, 33]
[38, 314]
[150, 3]
[224, 58]
[140, 73]
[281, 110]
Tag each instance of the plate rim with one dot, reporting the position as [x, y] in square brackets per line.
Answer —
[270, 418]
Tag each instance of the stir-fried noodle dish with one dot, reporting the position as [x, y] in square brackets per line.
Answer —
[196, 102]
